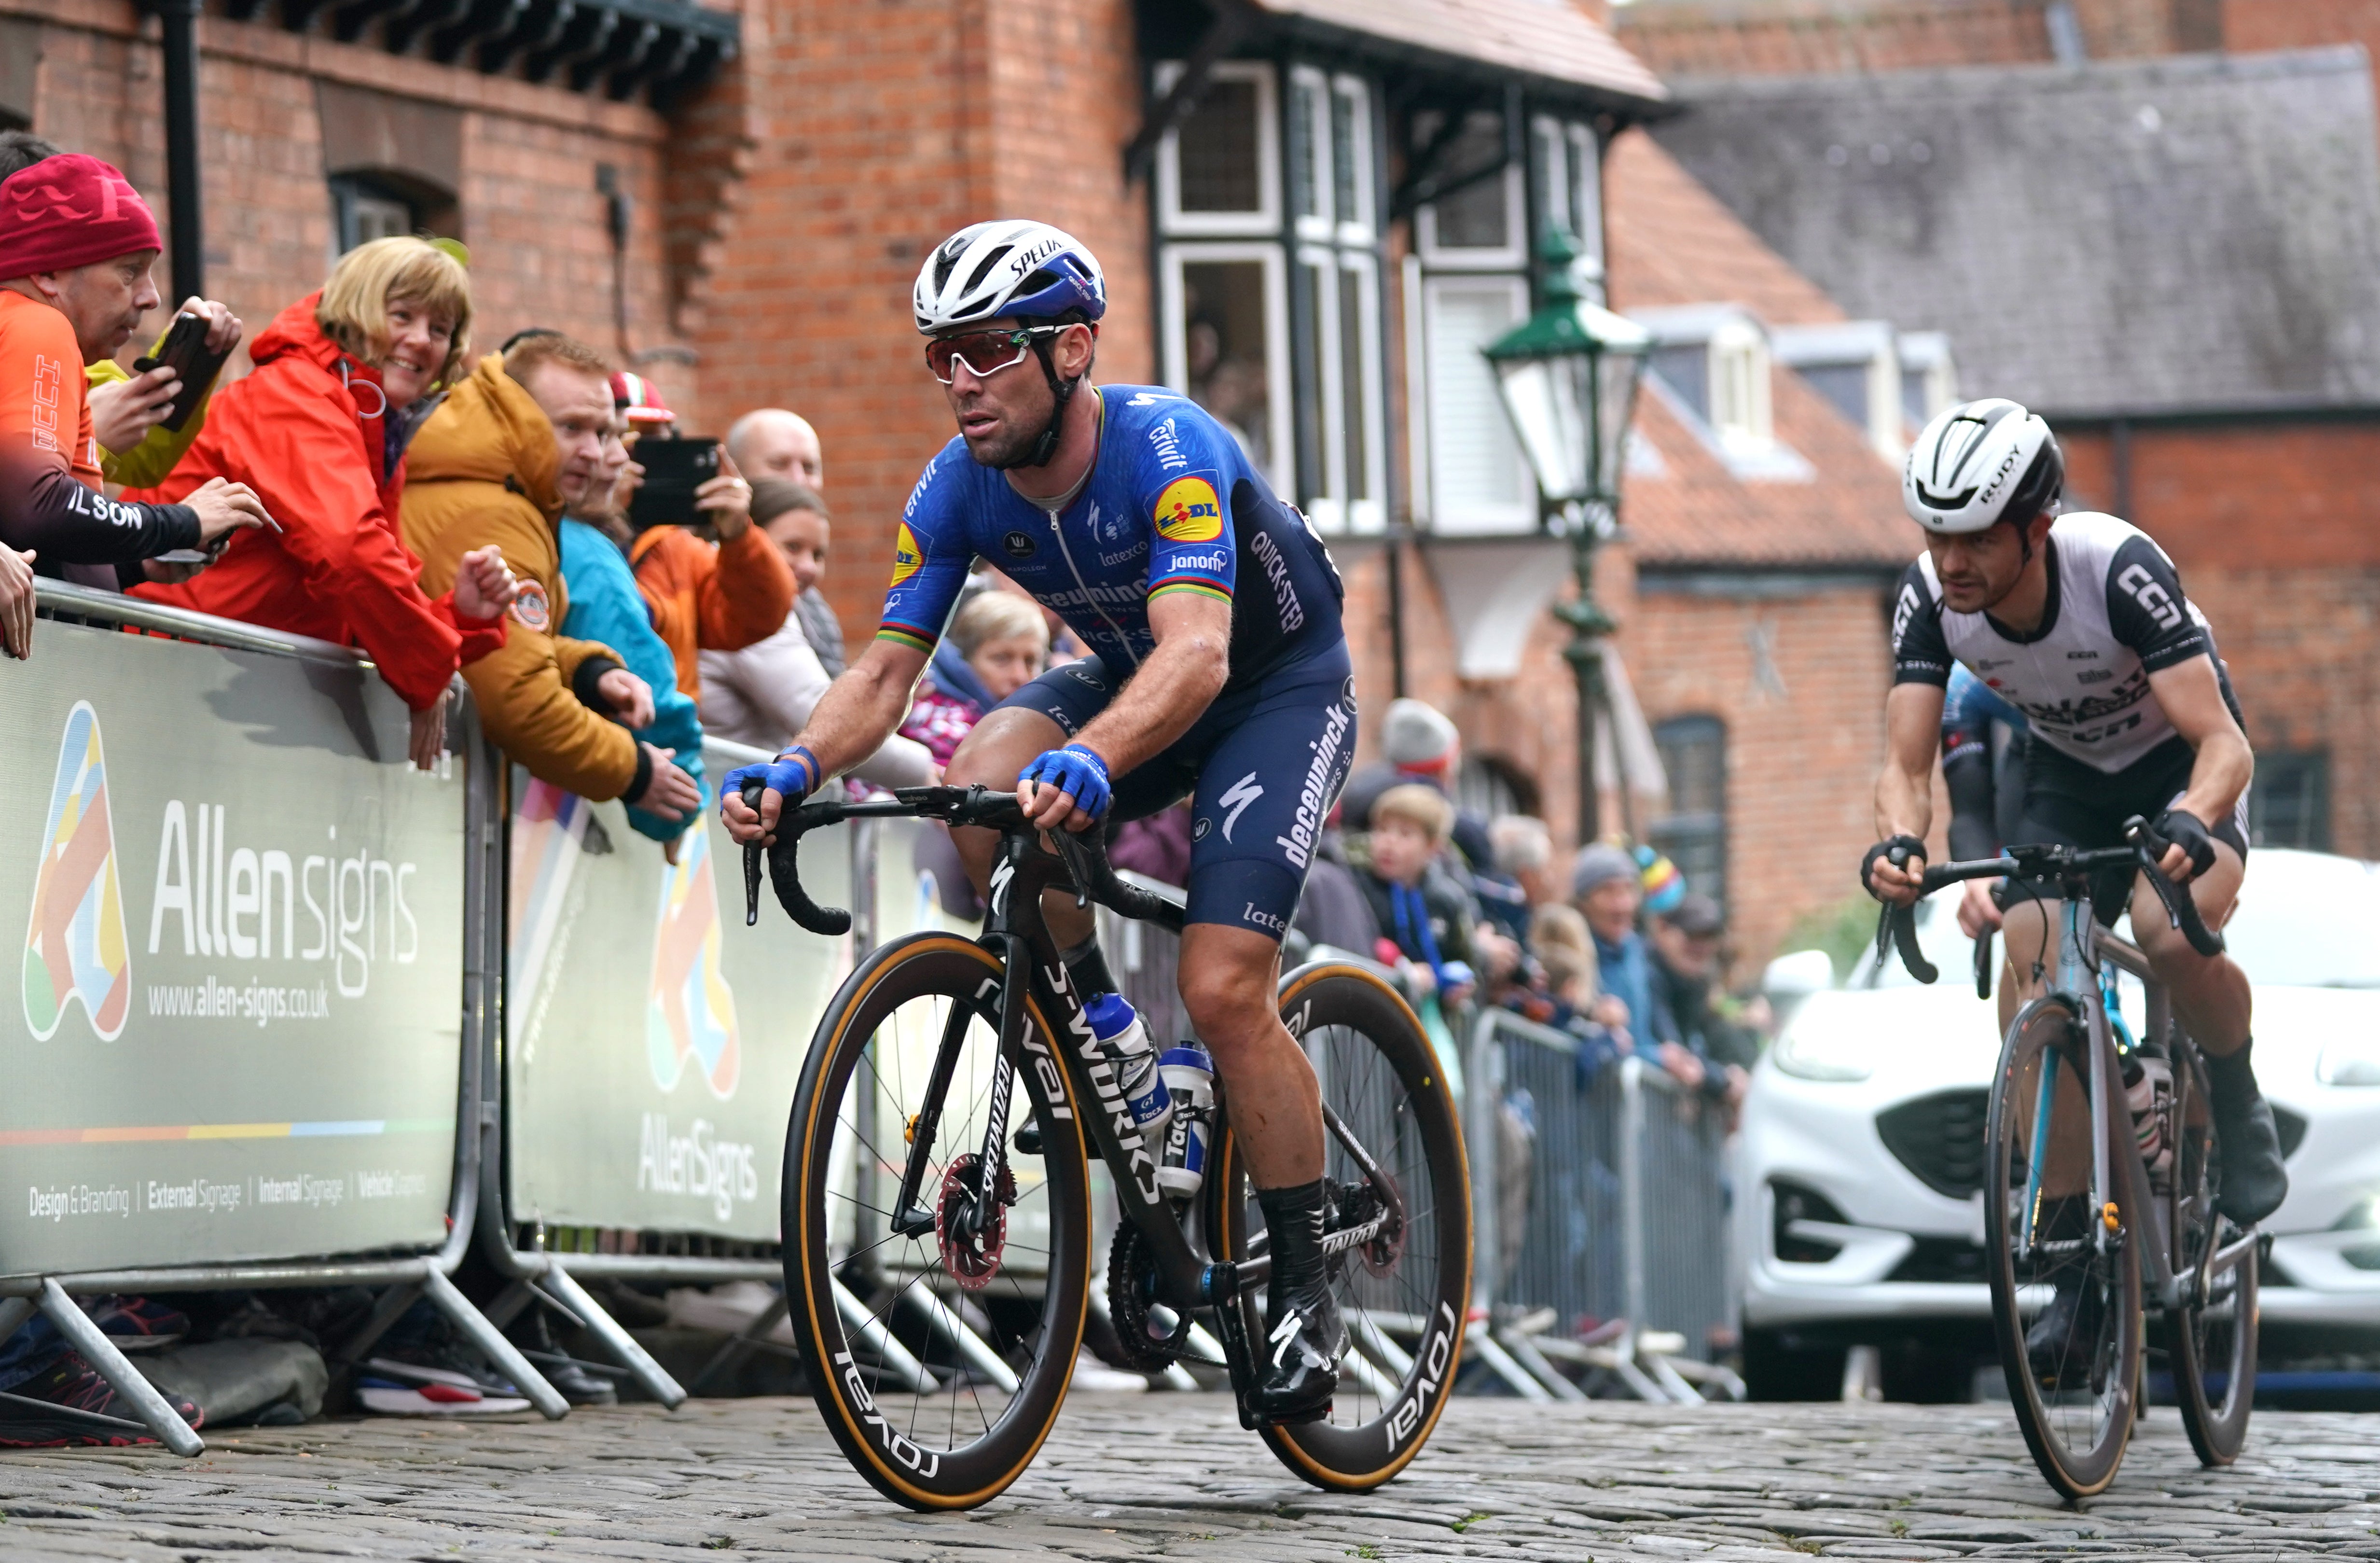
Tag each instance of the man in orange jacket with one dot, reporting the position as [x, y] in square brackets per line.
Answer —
[719, 597]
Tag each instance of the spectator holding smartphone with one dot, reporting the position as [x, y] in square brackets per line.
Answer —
[724, 592]
[127, 410]
[77, 243]
[344, 379]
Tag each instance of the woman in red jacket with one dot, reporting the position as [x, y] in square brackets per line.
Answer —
[342, 378]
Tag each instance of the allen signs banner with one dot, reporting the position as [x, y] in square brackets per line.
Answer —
[239, 994]
[652, 1041]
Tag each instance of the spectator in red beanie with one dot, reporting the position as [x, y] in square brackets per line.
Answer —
[76, 246]
[343, 376]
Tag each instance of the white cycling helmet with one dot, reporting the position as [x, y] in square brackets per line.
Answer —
[1980, 463]
[1010, 267]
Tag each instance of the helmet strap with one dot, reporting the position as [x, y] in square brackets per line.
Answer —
[1061, 391]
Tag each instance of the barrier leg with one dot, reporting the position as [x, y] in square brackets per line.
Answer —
[973, 1348]
[385, 1314]
[122, 1376]
[617, 1341]
[1500, 1362]
[896, 1358]
[1524, 1351]
[492, 1343]
[745, 1339]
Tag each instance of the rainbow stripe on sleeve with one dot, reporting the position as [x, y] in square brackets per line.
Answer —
[906, 635]
[1197, 583]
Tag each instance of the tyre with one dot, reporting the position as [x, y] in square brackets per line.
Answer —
[2076, 1404]
[1774, 1367]
[939, 1363]
[2212, 1337]
[1406, 1295]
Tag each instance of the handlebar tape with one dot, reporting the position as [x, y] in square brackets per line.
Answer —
[2180, 907]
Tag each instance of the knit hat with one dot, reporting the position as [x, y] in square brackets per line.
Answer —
[639, 401]
[1598, 866]
[1417, 735]
[70, 211]
[1664, 886]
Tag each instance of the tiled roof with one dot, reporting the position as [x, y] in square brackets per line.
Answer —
[1672, 244]
[2197, 232]
[1555, 41]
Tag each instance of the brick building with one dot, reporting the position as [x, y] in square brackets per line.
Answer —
[2172, 260]
[1312, 212]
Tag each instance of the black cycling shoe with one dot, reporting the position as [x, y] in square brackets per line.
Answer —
[1297, 1367]
[2060, 1348]
[2254, 1182]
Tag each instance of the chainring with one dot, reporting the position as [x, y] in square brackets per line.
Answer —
[1132, 1289]
[971, 1250]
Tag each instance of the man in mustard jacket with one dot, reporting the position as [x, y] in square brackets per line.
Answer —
[512, 444]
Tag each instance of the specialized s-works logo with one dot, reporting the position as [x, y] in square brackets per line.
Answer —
[907, 555]
[689, 1009]
[1189, 511]
[75, 946]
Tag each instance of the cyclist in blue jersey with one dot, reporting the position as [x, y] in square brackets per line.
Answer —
[1219, 672]
[1982, 771]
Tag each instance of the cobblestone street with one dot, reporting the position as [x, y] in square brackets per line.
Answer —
[1133, 1477]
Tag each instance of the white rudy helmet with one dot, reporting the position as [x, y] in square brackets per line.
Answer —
[1979, 463]
[1010, 267]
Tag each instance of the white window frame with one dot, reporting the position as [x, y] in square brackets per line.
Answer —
[1512, 256]
[1740, 377]
[1361, 227]
[1268, 217]
[1281, 434]
[1320, 225]
[1336, 509]
[1586, 191]
[1451, 516]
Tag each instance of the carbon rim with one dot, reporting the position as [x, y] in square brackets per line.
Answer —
[2213, 1341]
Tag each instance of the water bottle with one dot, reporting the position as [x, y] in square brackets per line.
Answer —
[1189, 1077]
[1133, 1059]
[2148, 1091]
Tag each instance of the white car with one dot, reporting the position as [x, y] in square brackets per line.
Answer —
[1859, 1219]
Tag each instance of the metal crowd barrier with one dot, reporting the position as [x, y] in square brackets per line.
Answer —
[254, 984]
[1602, 1235]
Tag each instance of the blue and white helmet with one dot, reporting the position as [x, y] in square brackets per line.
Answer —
[1979, 463]
[1009, 267]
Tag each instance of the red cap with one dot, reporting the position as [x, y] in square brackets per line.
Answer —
[639, 399]
[70, 211]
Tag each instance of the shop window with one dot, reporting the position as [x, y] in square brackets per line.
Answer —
[2289, 804]
[1693, 833]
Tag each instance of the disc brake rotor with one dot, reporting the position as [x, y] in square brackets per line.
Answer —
[971, 1237]
[1358, 1204]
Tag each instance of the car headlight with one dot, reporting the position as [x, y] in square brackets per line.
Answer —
[2349, 1061]
[1820, 1053]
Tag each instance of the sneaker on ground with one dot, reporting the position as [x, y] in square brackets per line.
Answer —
[72, 1384]
[138, 1324]
[387, 1387]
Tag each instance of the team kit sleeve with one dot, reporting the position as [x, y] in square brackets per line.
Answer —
[930, 557]
[2147, 608]
[45, 503]
[1184, 494]
[1919, 654]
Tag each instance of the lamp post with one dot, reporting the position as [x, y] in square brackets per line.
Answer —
[1567, 376]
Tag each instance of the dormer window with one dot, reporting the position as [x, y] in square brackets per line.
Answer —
[1856, 365]
[1929, 379]
[1713, 359]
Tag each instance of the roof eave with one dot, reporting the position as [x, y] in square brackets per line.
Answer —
[1624, 107]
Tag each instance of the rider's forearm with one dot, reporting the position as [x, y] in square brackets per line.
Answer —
[2218, 778]
[1904, 802]
[1169, 694]
[854, 716]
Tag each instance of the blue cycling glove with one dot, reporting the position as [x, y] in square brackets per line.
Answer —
[1077, 772]
[793, 775]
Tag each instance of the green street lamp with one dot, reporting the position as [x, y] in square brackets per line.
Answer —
[1567, 377]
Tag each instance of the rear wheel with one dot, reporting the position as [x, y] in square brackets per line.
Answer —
[939, 1361]
[1407, 1294]
[2060, 1267]
[2213, 1337]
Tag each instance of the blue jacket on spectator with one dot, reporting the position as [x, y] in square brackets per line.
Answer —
[605, 606]
[1626, 970]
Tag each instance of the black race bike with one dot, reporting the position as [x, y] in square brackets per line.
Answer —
[2078, 1222]
[938, 1201]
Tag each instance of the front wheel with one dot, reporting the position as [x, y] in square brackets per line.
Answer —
[2064, 1259]
[938, 1359]
[2213, 1334]
[1404, 1295]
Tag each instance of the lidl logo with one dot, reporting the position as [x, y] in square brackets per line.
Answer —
[1189, 511]
[907, 555]
[75, 947]
[690, 1010]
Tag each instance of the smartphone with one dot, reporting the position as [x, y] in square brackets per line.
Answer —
[674, 470]
[184, 350]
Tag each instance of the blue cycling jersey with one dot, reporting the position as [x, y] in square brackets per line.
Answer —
[1171, 504]
[1969, 709]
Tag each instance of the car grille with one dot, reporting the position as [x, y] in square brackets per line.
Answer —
[1939, 1138]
